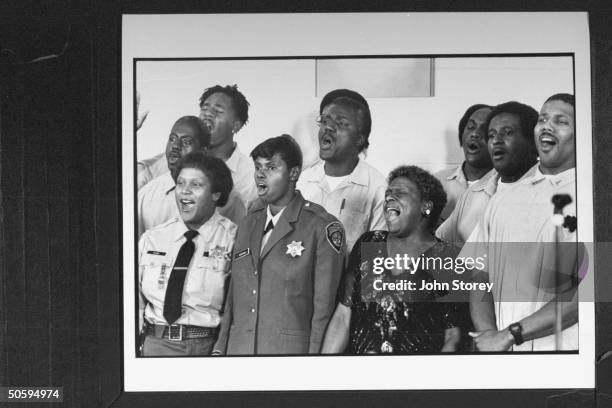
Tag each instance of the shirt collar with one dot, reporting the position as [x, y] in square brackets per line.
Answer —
[458, 175]
[168, 183]
[181, 228]
[274, 218]
[359, 175]
[233, 161]
[487, 183]
[557, 180]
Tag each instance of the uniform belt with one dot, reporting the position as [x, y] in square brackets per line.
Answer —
[179, 332]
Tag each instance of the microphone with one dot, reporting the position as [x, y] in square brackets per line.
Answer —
[569, 222]
[560, 201]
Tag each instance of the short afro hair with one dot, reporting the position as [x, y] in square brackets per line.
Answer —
[239, 102]
[284, 145]
[466, 117]
[429, 187]
[366, 124]
[564, 97]
[526, 114]
[202, 132]
[215, 169]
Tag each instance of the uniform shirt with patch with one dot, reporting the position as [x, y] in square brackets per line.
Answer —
[206, 277]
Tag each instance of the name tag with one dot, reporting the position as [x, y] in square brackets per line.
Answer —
[156, 253]
[242, 253]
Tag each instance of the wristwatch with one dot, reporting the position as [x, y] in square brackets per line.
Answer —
[516, 330]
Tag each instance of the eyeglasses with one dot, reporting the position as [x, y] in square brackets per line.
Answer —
[326, 120]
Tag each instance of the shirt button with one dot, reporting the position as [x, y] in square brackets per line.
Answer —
[252, 310]
[255, 272]
[254, 291]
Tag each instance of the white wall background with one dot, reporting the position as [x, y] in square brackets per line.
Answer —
[420, 131]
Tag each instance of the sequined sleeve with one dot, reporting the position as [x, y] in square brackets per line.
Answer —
[453, 314]
[453, 307]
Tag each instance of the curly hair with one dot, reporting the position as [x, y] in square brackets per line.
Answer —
[429, 187]
[239, 102]
[466, 117]
[217, 172]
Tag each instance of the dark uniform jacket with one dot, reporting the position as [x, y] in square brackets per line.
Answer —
[280, 302]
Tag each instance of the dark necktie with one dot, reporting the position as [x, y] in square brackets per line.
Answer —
[266, 235]
[174, 292]
[269, 227]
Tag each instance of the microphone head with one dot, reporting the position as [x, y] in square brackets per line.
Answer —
[560, 201]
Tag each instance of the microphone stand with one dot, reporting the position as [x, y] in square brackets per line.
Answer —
[559, 201]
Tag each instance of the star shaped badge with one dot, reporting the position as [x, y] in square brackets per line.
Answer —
[295, 248]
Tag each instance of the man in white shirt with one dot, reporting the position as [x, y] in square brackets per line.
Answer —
[343, 183]
[533, 280]
[224, 110]
[156, 203]
[509, 135]
[477, 163]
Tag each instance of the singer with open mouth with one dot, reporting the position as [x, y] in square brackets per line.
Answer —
[370, 321]
[532, 262]
[184, 263]
[477, 163]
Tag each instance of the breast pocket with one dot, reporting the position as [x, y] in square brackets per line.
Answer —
[155, 270]
[207, 280]
[355, 221]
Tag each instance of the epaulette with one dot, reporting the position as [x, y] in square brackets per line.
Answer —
[165, 224]
[255, 206]
[318, 211]
[227, 223]
[313, 207]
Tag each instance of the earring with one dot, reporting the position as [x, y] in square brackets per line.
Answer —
[427, 212]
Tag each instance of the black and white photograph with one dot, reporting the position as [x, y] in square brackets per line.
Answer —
[305, 204]
[398, 190]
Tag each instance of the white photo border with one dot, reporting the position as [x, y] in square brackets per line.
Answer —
[416, 34]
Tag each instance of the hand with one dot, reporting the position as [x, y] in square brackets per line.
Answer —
[492, 340]
[452, 337]
[140, 117]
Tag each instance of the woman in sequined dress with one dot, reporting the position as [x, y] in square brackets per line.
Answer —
[374, 317]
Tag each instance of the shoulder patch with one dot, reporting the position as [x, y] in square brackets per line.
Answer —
[335, 235]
